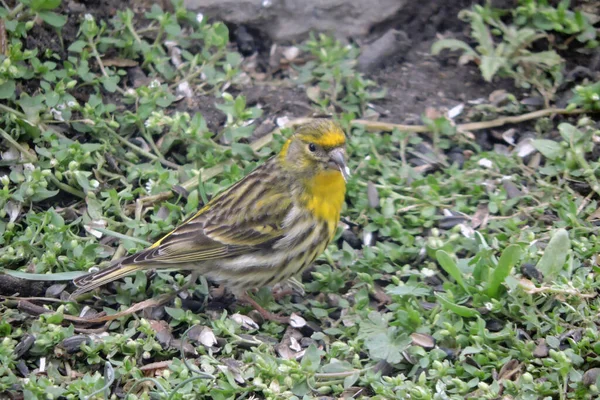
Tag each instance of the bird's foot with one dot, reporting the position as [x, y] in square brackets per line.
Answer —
[267, 315]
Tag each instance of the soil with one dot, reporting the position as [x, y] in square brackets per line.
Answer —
[414, 80]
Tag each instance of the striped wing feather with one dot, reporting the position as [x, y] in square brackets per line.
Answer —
[247, 217]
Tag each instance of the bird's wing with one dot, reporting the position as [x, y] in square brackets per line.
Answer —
[247, 217]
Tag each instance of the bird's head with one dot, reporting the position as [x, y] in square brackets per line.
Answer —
[315, 147]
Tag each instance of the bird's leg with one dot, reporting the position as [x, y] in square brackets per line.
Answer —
[192, 281]
[267, 315]
[280, 293]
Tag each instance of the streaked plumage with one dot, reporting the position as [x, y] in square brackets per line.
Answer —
[263, 229]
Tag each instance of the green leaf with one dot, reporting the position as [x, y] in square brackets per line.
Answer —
[548, 58]
[311, 359]
[510, 256]
[452, 44]
[388, 345]
[77, 46]
[110, 83]
[555, 255]
[176, 313]
[570, 133]
[351, 380]
[40, 5]
[121, 236]
[455, 308]
[59, 276]
[549, 148]
[43, 194]
[7, 89]
[490, 65]
[408, 290]
[52, 18]
[482, 34]
[448, 264]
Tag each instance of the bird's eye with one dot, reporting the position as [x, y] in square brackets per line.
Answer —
[312, 147]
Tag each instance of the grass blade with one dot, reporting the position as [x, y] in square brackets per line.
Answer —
[509, 258]
[448, 264]
[455, 308]
[59, 276]
[555, 255]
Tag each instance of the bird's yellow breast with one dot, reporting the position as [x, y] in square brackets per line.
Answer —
[324, 197]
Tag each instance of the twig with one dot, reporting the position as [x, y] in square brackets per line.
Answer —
[372, 126]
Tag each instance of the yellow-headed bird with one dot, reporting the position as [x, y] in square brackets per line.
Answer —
[262, 230]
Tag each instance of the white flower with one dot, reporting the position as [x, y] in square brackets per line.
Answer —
[154, 84]
[150, 185]
[199, 17]
[89, 17]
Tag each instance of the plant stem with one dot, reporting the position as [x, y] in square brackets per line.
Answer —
[66, 188]
[100, 64]
[372, 126]
[12, 111]
[141, 151]
[18, 8]
[588, 172]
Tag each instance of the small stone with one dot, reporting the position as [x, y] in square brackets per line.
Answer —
[590, 377]
[541, 351]
[372, 195]
[456, 157]
[306, 342]
[494, 325]
[512, 191]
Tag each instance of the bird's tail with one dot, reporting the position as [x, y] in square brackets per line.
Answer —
[93, 280]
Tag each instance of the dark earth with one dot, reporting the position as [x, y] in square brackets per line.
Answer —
[414, 80]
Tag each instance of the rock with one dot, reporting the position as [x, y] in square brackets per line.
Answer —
[591, 376]
[541, 350]
[391, 45]
[283, 20]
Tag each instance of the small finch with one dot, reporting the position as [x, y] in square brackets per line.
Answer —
[262, 230]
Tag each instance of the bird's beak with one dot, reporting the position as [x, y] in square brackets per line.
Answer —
[337, 160]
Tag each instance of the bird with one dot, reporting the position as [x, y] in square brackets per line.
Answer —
[264, 229]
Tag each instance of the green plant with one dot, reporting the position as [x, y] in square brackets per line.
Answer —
[510, 56]
[541, 15]
[333, 76]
